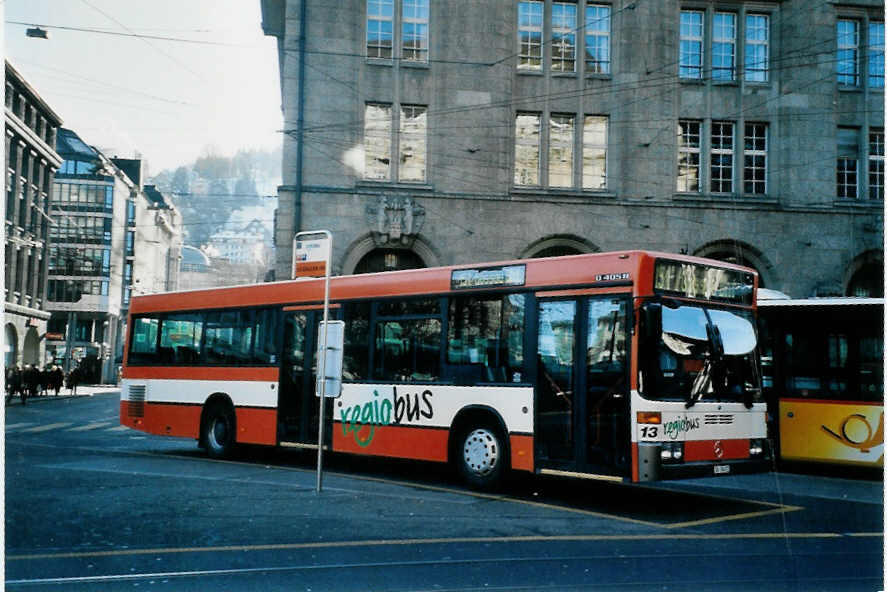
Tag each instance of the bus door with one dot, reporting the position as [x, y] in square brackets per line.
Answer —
[582, 382]
[297, 400]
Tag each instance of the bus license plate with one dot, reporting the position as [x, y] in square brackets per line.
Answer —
[722, 469]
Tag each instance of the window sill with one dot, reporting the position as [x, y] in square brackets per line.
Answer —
[598, 76]
[849, 89]
[415, 65]
[559, 74]
[723, 83]
[722, 198]
[861, 204]
[379, 62]
[692, 81]
[530, 72]
[400, 185]
[561, 191]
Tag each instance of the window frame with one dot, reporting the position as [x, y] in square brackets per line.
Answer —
[720, 42]
[525, 59]
[724, 178]
[563, 37]
[849, 78]
[753, 153]
[688, 149]
[600, 36]
[692, 69]
[876, 165]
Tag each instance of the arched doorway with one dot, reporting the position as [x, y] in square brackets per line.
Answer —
[388, 260]
[31, 348]
[10, 353]
[739, 253]
[555, 246]
[867, 276]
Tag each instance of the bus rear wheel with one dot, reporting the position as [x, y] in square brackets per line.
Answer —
[481, 457]
[218, 434]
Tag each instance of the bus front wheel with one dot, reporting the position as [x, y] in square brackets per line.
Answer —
[481, 457]
[218, 433]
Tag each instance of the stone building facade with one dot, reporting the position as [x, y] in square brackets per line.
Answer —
[113, 237]
[426, 132]
[31, 161]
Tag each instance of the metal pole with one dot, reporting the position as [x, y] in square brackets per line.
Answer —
[321, 364]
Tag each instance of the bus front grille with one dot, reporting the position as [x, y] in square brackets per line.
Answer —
[136, 407]
[718, 419]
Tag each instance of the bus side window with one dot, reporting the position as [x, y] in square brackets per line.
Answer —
[143, 346]
[356, 350]
[485, 339]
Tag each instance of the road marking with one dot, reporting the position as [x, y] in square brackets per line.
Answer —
[715, 520]
[46, 428]
[91, 426]
[12, 426]
[579, 538]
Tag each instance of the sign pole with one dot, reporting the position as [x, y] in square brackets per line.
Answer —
[308, 256]
[321, 367]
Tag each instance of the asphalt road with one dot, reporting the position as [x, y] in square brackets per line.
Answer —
[93, 506]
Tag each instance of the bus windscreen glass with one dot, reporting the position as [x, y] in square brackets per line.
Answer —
[691, 280]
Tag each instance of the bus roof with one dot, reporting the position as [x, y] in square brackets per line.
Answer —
[549, 272]
[823, 301]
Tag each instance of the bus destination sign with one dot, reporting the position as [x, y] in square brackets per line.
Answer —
[488, 277]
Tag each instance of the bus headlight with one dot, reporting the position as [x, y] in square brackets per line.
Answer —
[756, 447]
[672, 452]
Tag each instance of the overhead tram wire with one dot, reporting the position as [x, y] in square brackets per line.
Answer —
[144, 39]
[129, 34]
[663, 81]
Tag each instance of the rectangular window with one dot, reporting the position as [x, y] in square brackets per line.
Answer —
[723, 47]
[143, 346]
[597, 39]
[722, 157]
[415, 30]
[594, 152]
[408, 350]
[757, 47]
[848, 163]
[526, 149]
[560, 150]
[691, 44]
[485, 341]
[529, 35]
[876, 55]
[754, 169]
[848, 52]
[413, 143]
[228, 337]
[563, 37]
[876, 165]
[356, 349]
[377, 141]
[267, 337]
[380, 28]
[180, 336]
[689, 144]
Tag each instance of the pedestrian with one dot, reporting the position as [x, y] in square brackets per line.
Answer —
[57, 379]
[73, 379]
[32, 381]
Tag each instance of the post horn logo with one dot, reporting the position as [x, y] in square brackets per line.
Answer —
[856, 432]
[719, 450]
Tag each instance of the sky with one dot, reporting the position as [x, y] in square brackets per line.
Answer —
[170, 101]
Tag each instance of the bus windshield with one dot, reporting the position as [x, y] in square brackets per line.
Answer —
[699, 353]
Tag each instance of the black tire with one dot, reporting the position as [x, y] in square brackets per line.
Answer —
[218, 433]
[481, 456]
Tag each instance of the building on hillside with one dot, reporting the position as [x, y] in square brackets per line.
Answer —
[108, 233]
[31, 161]
[247, 245]
[454, 132]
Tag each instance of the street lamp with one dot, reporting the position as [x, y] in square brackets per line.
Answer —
[37, 33]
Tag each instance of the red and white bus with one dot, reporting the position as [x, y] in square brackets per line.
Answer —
[633, 366]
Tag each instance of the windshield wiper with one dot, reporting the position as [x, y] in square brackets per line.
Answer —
[703, 381]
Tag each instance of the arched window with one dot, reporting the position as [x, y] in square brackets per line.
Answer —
[388, 260]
